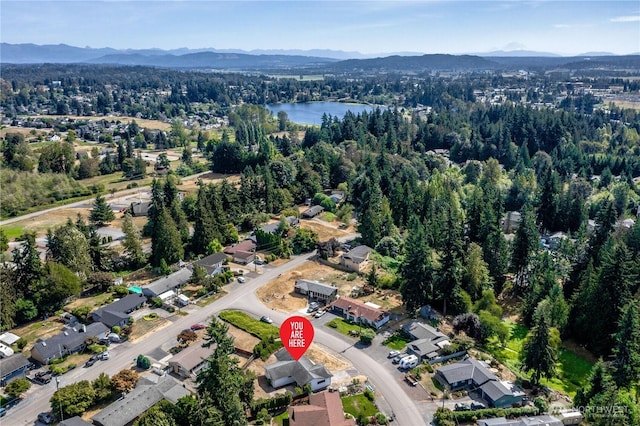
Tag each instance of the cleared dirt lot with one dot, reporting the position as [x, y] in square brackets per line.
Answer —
[278, 294]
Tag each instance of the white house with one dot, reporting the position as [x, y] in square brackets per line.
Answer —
[302, 372]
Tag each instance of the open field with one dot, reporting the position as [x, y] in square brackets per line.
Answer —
[143, 123]
[325, 230]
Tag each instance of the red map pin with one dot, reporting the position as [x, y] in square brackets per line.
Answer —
[296, 334]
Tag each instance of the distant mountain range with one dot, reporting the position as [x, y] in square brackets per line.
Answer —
[320, 60]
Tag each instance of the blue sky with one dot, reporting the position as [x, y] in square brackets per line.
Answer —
[446, 26]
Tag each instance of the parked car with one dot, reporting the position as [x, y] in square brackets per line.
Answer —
[313, 306]
[42, 377]
[266, 319]
[195, 327]
[46, 418]
[461, 406]
[320, 313]
[393, 354]
[478, 406]
[104, 355]
[91, 361]
[3, 411]
[397, 358]
[241, 280]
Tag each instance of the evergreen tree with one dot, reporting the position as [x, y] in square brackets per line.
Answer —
[416, 270]
[539, 355]
[166, 242]
[101, 214]
[626, 352]
[525, 244]
[450, 272]
[28, 267]
[132, 243]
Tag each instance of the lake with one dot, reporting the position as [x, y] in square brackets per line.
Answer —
[311, 112]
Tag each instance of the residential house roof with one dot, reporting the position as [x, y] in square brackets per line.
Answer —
[420, 330]
[191, 356]
[324, 409]
[316, 287]
[144, 396]
[240, 254]
[169, 282]
[423, 347]
[69, 338]
[542, 420]
[495, 389]
[465, 370]
[244, 245]
[13, 363]
[212, 262]
[302, 371]
[313, 211]
[74, 421]
[359, 309]
[115, 312]
[358, 254]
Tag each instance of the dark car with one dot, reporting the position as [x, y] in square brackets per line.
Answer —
[46, 418]
[91, 361]
[398, 358]
[478, 406]
[195, 327]
[460, 406]
[266, 319]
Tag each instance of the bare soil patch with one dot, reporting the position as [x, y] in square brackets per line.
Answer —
[279, 293]
[242, 339]
[324, 230]
[142, 327]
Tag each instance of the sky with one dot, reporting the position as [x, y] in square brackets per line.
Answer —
[370, 27]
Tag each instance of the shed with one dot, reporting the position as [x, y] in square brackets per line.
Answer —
[9, 338]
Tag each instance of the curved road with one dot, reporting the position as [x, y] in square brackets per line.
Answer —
[240, 296]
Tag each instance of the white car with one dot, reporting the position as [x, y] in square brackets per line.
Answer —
[241, 280]
[105, 355]
[320, 313]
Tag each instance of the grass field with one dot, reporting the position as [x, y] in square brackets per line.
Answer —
[251, 325]
[572, 369]
[359, 404]
[344, 327]
[397, 341]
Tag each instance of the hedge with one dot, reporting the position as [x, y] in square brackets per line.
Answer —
[271, 404]
[472, 416]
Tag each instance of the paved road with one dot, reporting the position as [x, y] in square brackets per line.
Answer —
[241, 296]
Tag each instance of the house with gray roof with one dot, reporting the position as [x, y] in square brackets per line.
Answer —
[12, 368]
[212, 263]
[317, 291]
[170, 282]
[146, 394]
[312, 212]
[74, 421]
[473, 375]
[427, 340]
[190, 360]
[118, 312]
[356, 259]
[71, 340]
[542, 420]
[303, 372]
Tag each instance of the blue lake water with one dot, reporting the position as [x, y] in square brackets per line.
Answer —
[311, 112]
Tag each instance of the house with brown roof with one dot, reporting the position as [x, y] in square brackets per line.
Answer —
[243, 252]
[363, 313]
[324, 409]
[356, 259]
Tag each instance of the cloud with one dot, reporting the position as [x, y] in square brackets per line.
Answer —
[628, 18]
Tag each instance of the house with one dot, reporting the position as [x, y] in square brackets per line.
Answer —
[190, 360]
[117, 313]
[316, 290]
[272, 228]
[337, 197]
[553, 241]
[9, 338]
[312, 212]
[427, 341]
[71, 340]
[146, 394]
[356, 259]
[74, 421]
[140, 208]
[364, 313]
[170, 282]
[212, 263]
[324, 409]
[473, 375]
[243, 252]
[12, 368]
[286, 371]
[427, 312]
[542, 420]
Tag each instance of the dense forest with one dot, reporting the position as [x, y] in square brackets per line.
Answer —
[429, 189]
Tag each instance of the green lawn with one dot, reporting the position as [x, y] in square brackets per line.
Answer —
[357, 404]
[279, 419]
[12, 231]
[344, 327]
[251, 325]
[572, 370]
[398, 341]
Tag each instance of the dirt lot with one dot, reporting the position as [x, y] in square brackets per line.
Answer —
[278, 294]
[325, 230]
[142, 327]
[242, 339]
